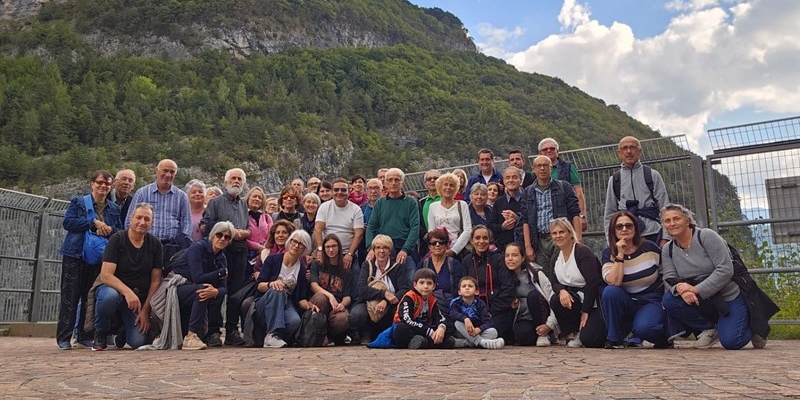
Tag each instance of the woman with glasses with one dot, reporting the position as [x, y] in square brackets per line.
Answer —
[285, 290]
[89, 213]
[331, 288]
[448, 269]
[288, 202]
[206, 272]
[631, 303]
[451, 214]
[576, 288]
[479, 211]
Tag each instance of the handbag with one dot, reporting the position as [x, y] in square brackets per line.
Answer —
[93, 244]
[374, 314]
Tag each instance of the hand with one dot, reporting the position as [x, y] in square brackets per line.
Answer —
[277, 285]
[380, 307]
[333, 302]
[450, 253]
[438, 335]
[101, 228]
[313, 307]
[584, 224]
[514, 304]
[207, 292]
[530, 253]
[470, 327]
[133, 302]
[370, 256]
[508, 224]
[690, 298]
[391, 298]
[142, 321]
[622, 245]
[584, 318]
[339, 308]
[348, 261]
[401, 256]
[543, 330]
[566, 299]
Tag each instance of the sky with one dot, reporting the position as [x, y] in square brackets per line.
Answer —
[679, 66]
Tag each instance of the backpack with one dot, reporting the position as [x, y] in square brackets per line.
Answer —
[313, 329]
[739, 269]
[648, 179]
[178, 259]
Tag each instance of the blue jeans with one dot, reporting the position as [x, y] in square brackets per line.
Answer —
[355, 269]
[277, 314]
[733, 329]
[643, 316]
[109, 302]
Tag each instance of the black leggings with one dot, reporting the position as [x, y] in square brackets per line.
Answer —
[593, 333]
[525, 330]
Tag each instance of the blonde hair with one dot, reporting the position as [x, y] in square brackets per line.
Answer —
[383, 241]
[564, 223]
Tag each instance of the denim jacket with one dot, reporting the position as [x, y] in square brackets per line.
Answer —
[77, 223]
[563, 199]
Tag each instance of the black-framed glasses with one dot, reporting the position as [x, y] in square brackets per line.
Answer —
[297, 243]
[224, 236]
[339, 190]
[437, 242]
[623, 226]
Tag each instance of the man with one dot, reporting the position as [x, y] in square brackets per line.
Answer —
[172, 222]
[397, 216]
[565, 171]
[311, 186]
[382, 176]
[374, 190]
[124, 183]
[229, 207]
[516, 159]
[638, 189]
[486, 172]
[546, 200]
[129, 276]
[506, 210]
[298, 184]
[424, 204]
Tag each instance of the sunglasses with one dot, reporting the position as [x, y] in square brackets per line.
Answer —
[432, 179]
[547, 149]
[339, 190]
[620, 227]
[289, 197]
[437, 242]
[223, 236]
[103, 183]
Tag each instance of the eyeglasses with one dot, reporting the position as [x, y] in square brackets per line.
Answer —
[393, 180]
[542, 166]
[437, 242]
[297, 243]
[373, 188]
[548, 149]
[103, 183]
[629, 148]
[289, 197]
[223, 236]
[339, 190]
[620, 227]
[432, 178]
[332, 247]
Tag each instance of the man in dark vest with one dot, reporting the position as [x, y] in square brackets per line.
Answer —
[564, 170]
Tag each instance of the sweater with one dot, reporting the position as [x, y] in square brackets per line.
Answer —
[709, 262]
[396, 217]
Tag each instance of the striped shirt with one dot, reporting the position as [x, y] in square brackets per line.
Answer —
[641, 269]
[172, 213]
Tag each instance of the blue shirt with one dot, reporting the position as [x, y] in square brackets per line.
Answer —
[172, 215]
[544, 210]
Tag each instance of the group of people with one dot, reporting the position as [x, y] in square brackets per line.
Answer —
[479, 261]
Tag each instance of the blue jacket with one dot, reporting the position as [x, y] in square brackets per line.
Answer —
[272, 268]
[76, 222]
[203, 266]
[478, 178]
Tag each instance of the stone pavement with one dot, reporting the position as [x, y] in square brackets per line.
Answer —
[34, 368]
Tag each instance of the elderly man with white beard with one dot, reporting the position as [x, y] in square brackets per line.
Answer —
[229, 207]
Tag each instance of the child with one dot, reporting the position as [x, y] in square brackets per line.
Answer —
[418, 322]
[471, 316]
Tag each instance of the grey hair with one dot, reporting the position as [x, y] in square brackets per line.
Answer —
[397, 171]
[214, 189]
[546, 140]
[312, 196]
[303, 237]
[144, 205]
[222, 226]
[192, 183]
[514, 169]
[687, 213]
[239, 170]
[479, 187]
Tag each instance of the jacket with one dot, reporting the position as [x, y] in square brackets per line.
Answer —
[409, 312]
[77, 223]
[589, 266]
[397, 275]
[272, 268]
[495, 284]
[203, 266]
[563, 199]
[477, 312]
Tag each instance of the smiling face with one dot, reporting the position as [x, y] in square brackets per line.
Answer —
[561, 237]
[310, 205]
[358, 185]
[197, 195]
[142, 220]
[478, 198]
[430, 181]
[513, 258]
[272, 205]
[480, 240]
[542, 168]
[492, 191]
[512, 180]
[624, 228]
[675, 223]
[549, 149]
[101, 187]
[281, 235]
[325, 194]
[486, 163]
[124, 183]
[340, 193]
[382, 253]
[331, 248]
[255, 201]
[516, 160]
[447, 189]
[165, 174]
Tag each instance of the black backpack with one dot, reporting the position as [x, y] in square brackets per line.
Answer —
[313, 329]
[648, 180]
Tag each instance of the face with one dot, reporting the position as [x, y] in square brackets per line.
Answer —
[675, 223]
[295, 247]
[478, 198]
[382, 176]
[165, 173]
[281, 234]
[325, 194]
[289, 200]
[624, 228]
[373, 191]
[561, 237]
[430, 181]
[298, 184]
[516, 160]
[511, 181]
[312, 185]
[255, 201]
[197, 195]
[210, 195]
[462, 179]
[542, 168]
[124, 182]
[448, 189]
[310, 206]
[480, 240]
[424, 286]
[101, 187]
[358, 185]
[220, 240]
[437, 246]
[234, 183]
[549, 149]
[485, 163]
[491, 193]
[467, 289]
[382, 253]
[331, 248]
[629, 151]
[514, 258]
[340, 193]
[393, 183]
[142, 220]
[272, 206]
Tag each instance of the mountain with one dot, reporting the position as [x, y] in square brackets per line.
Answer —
[313, 87]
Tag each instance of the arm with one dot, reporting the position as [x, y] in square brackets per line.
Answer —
[455, 310]
[613, 271]
[486, 318]
[589, 266]
[717, 251]
[75, 218]
[497, 216]
[138, 197]
[405, 310]
[373, 225]
[660, 193]
[186, 215]
[612, 205]
[670, 274]
[413, 225]
[466, 232]
[368, 292]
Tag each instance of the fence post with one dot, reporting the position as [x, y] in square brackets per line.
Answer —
[700, 195]
[35, 305]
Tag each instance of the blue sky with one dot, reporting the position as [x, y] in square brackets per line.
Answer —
[680, 66]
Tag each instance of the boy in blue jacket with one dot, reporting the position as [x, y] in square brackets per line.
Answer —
[418, 322]
[471, 316]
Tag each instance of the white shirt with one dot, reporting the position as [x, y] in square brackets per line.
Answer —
[341, 221]
[567, 272]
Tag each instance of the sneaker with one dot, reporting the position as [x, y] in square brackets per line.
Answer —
[213, 340]
[417, 342]
[543, 341]
[575, 343]
[615, 345]
[233, 338]
[119, 340]
[706, 339]
[192, 342]
[355, 338]
[87, 343]
[758, 341]
[492, 344]
[459, 343]
[65, 345]
[273, 341]
[99, 343]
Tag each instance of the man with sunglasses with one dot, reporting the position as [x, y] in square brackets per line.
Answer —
[230, 207]
[564, 170]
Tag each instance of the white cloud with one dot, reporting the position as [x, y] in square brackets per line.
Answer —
[714, 57]
[495, 39]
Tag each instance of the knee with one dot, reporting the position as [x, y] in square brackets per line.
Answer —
[671, 302]
[732, 342]
[136, 341]
[613, 294]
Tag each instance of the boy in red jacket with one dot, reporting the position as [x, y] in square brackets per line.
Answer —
[418, 322]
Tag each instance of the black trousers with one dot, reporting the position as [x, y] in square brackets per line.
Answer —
[593, 333]
[237, 263]
[77, 278]
[525, 330]
[403, 334]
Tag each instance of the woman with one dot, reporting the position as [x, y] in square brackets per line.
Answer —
[357, 193]
[206, 273]
[196, 191]
[311, 204]
[448, 270]
[393, 276]
[330, 285]
[89, 213]
[212, 192]
[577, 286]
[288, 202]
[259, 222]
[493, 190]
[495, 285]
[462, 184]
[276, 243]
[702, 298]
[272, 206]
[451, 214]
[534, 321]
[285, 290]
[325, 191]
[631, 303]
[479, 212]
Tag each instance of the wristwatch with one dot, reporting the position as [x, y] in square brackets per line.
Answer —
[583, 216]
[319, 248]
[348, 254]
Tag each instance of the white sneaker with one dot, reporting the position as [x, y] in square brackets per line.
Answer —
[273, 341]
[493, 344]
[706, 339]
[543, 341]
[192, 342]
[758, 341]
[574, 343]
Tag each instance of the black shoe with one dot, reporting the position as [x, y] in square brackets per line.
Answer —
[664, 345]
[417, 342]
[99, 342]
[119, 340]
[213, 340]
[615, 345]
[233, 338]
